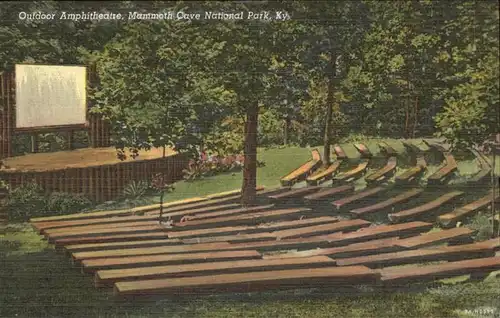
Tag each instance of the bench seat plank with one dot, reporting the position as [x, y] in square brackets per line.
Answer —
[429, 273]
[325, 175]
[384, 172]
[329, 192]
[253, 229]
[360, 195]
[455, 235]
[347, 225]
[425, 208]
[446, 253]
[109, 277]
[303, 171]
[92, 265]
[389, 203]
[250, 282]
[450, 219]
[353, 173]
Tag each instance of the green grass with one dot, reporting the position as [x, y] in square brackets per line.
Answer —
[35, 281]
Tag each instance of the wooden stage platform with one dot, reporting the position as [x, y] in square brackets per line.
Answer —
[94, 172]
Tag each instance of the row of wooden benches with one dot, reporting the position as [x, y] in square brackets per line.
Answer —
[309, 171]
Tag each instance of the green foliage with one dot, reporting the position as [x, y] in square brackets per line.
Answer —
[136, 190]
[30, 200]
[59, 203]
[25, 202]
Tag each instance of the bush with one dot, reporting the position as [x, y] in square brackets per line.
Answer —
[30, 200]
[64, 203]
[205, 167]
[25, 202]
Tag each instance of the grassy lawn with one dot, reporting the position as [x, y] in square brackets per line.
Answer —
[35, 281]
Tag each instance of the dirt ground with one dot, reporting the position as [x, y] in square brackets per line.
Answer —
[80, 158]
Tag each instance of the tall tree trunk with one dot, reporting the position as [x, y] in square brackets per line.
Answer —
[415, 118]
[330, 100]
[248, 192]
[286, 130]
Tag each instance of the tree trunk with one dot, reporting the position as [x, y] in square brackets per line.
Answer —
[330, 100]
[286, 130]
[248, 192]
[161, 206]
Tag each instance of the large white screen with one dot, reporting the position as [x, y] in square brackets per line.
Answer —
[50, 95]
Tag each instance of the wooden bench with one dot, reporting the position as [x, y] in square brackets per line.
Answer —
[420, 165]
[363, 151]
[447, 169]
[329, 193]
[429, 273]
[295, 193]
[453, 236]
[105, 278]
[92, 265]
[379, 232]
[339, 152]
[89, 247]
[383, 174]
[250, 282]
[358, 196]
[451, 219]
[244, 219]
[283, 225]
[178, 249]
[237, 211]
[389, 203]
[352, 174]
[324, 175]
[174, 205]
[484, 174]
[303, 171]
[352, 250]
[160, 234]
[425, 208]
[235, 238]
[98, 228]
[347, 225]
[447, 253]
[139, 230]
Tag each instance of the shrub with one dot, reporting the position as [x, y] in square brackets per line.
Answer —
[30, 200]
[205, 167]
[63, 203]
[25, 202]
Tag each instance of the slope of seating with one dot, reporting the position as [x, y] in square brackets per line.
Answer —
[428, 273]
[425, 208]
[328, 193]
[389, 203]
[250, 282]
[88, 247]
[105, 278]
[447, 253]
[303, 171]
[450, 219]
[358, 196]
